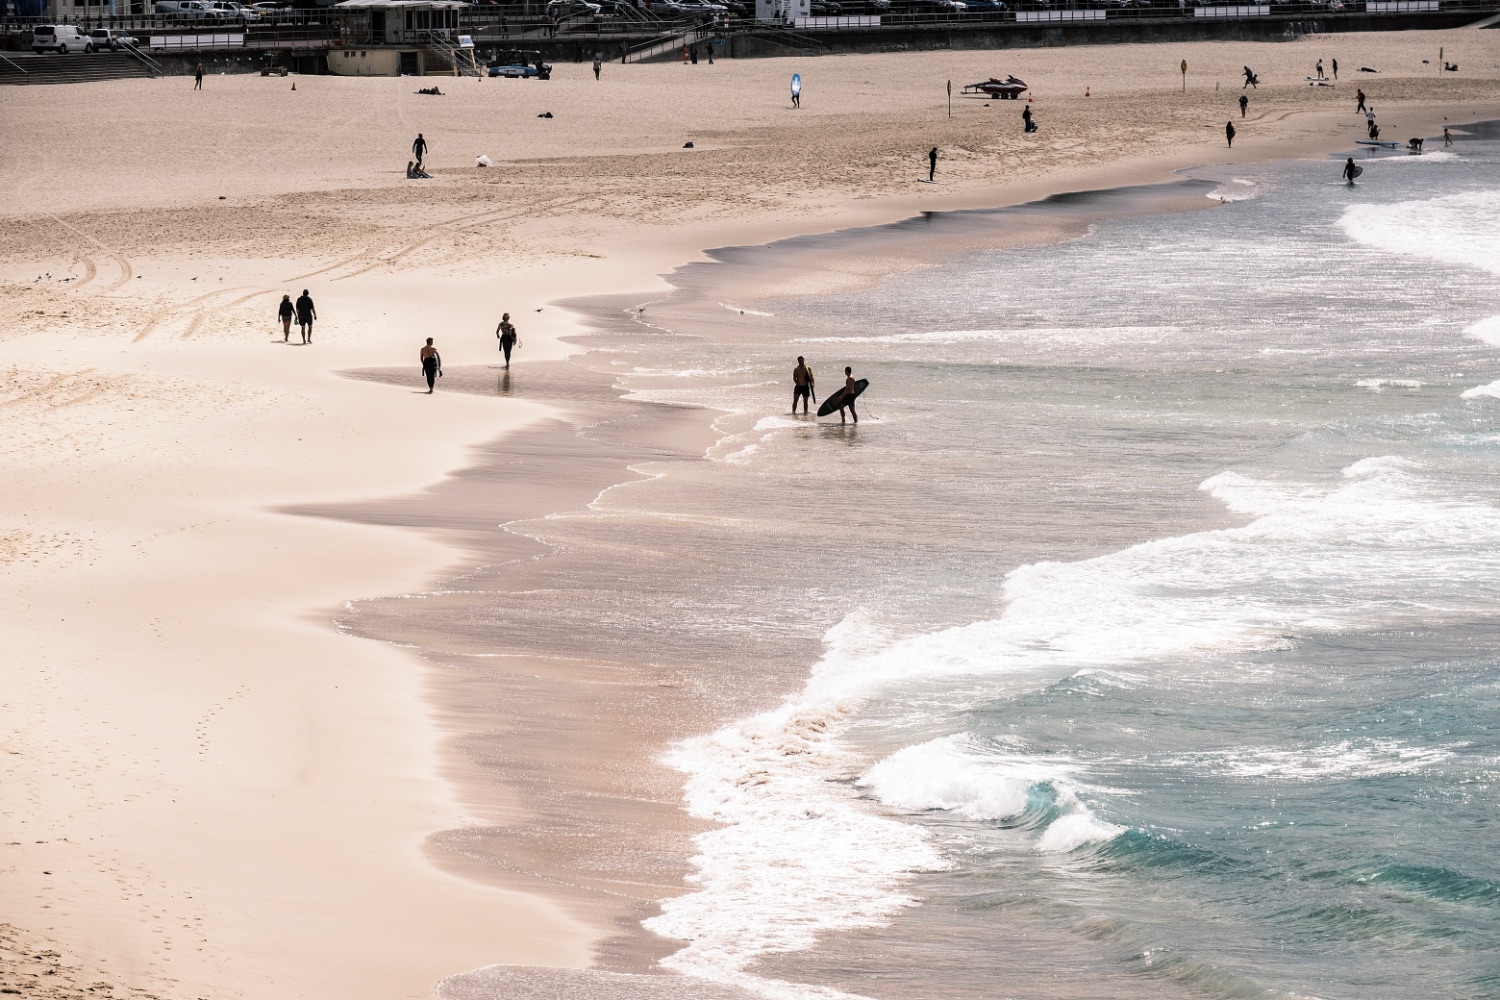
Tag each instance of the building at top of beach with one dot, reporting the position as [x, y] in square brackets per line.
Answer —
[398, 38]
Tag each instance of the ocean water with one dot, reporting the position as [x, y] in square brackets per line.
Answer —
[1156, 591]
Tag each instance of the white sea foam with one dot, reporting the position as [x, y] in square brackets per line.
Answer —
[1486, 330]
[1379, 384]
[799, 855]
[952, 774]
[1456, 229]
[1063, 335]
[1492, 389]
[1333, 761]
[1238, 189]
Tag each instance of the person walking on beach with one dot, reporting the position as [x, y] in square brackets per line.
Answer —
[847, 399]
[198, 77]
[419, 149]
[931, 170]
[1251, 80]
[1335, 69]
[306, 313]
[432, 364]
[1027, 124]
[1447, 137]
[802, 384]
[1229, 133]
[286, 312]
[1350, 171]
[598, 65]
[508, 337]
[1244, 103]
[1359, 95]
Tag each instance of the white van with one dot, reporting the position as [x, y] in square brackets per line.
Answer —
[60, 38]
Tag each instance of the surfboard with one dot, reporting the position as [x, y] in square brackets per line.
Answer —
[1376, 142]
[1356, 172]
[837, 399]
[796, 84]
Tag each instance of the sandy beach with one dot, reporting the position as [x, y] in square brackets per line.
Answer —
[208, 789]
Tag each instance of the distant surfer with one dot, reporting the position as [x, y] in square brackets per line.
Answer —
[432, 364]
[419, 149]
[1251, 80]
[931, 171]
[847, 399]
[508, 337]
[1244, 103]
[1447, 137]
[1229, 133]
[802, 384]
[1351, 171]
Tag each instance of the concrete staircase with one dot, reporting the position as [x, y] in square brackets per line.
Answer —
[75, 67]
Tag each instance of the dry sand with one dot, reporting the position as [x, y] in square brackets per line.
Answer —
[206, 789]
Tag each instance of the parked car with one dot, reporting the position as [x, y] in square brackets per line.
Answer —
[60, 38]
[734, 7]
[573, 8]
[703, 8]
[942, 6]
[518, 65]
[113, 39]
[985, 7]
[231, 10]
[878, 6]
[186, 10]
[271, 11]
[825, 8]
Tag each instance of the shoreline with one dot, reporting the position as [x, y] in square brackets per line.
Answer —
[357, 412]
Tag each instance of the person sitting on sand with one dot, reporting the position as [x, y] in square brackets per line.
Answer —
[1374, 131]
[432, 364]
[483, 161]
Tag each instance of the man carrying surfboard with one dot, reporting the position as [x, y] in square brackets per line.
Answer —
[802, 384]
[1351, 170]
[851, 390]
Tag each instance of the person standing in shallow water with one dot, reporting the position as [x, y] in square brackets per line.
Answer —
[432, 364]
[507, 336]
[802, 384]
[1350, 170]
[1229, 133]
[285, 312]
[848, 399]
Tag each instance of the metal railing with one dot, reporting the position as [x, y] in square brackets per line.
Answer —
[664, 44]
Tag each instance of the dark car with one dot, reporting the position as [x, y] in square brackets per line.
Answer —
[516, 65]
[986, 7]
[825, 8]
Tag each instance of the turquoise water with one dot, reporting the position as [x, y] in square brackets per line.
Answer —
[1157, 589]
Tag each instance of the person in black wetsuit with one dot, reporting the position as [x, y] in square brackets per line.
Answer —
[285, 312]
[1026, 117]
[508, 337]
[306, 313]
[432, 364]
[1244, 103]
[1350, 170]
[931, 171]
[1229, 133]
[419, 149]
